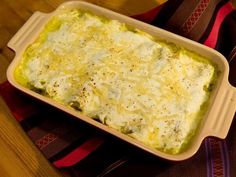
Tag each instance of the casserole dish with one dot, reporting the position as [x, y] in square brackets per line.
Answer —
[218, 117]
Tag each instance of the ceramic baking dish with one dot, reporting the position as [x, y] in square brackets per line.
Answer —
[222, 107]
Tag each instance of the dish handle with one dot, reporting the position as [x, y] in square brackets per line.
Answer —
[31, 26]
[223, 113]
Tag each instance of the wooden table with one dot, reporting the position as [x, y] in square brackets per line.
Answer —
[19, 156]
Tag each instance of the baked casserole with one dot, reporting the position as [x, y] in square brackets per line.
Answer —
[152, 90]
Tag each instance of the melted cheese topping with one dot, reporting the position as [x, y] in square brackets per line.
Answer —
[151, 90]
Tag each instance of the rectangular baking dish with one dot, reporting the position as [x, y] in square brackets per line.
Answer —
[222, 107]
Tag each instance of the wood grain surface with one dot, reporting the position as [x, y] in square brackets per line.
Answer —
[19, 157]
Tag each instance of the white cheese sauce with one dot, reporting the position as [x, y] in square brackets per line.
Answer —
[126, 79]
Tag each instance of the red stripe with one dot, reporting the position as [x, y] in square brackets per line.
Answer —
[21, 114]
[80, 153]
[15, 100]
[218, 166]
[195, 16]
[222, 13]
[46, 140]
[150, 15]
